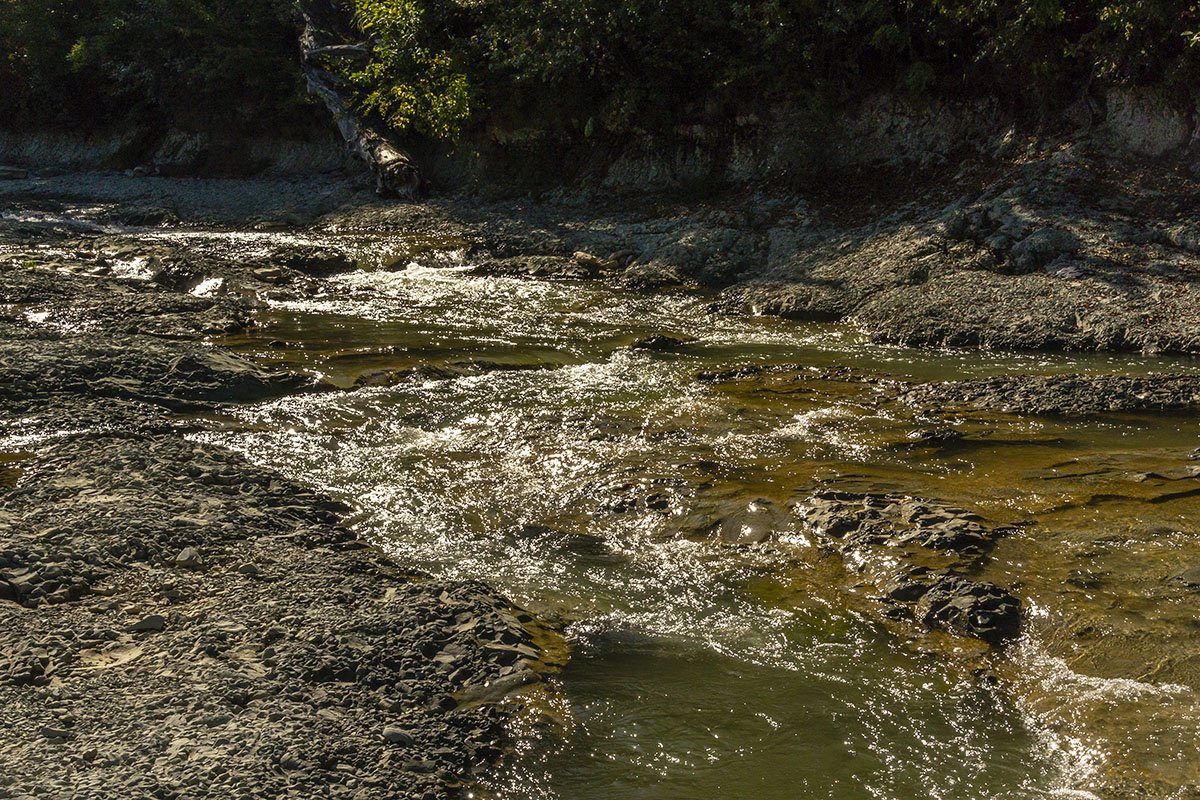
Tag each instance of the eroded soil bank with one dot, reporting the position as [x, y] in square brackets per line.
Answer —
[244, 639]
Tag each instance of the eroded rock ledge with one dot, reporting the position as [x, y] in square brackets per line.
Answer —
[176, 622]
[1064, 394]
[920, 557]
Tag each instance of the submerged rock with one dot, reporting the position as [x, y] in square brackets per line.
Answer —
[660, 343]
[1189, 578]
[971, 608]
[935, 544]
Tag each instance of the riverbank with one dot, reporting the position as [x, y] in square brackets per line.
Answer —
[1045, 244]
[177, 620]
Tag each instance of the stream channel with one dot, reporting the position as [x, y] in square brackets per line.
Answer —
[718, 650]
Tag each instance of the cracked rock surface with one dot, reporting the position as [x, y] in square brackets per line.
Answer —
[919, 557]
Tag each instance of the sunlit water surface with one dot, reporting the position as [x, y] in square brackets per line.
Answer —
[610, 488]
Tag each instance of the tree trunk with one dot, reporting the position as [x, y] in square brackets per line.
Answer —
[324, 24]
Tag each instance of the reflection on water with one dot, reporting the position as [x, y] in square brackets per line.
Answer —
[654, 719]
[10, 469]
[719, 653]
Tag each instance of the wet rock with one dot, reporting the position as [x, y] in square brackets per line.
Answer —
[755, 523]
[904, 589]
[660, 343]
[393, 377]
[83, 304]
[958, 535]
[315, 261]
[934, 437]
[593, 264]
[971, 608]
[896, 521]
[659, 495]
[876, 533]
[1063, 394]
[175, 374]
[535, 266]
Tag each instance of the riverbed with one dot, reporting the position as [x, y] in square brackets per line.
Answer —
[635, 467]
[530, 434]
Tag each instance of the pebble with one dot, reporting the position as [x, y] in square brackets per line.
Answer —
[399, 736]
[153, 622]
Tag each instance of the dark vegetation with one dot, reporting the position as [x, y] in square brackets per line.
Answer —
[192, 64]
[577, 69]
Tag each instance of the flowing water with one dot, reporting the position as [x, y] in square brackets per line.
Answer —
[717, 650]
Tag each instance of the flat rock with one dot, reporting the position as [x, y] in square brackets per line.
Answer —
[1063, 394]
[153, 622]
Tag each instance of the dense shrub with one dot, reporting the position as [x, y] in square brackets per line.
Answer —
[189, 62]
[577, 67]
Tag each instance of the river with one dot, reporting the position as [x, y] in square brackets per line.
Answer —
[718, 650]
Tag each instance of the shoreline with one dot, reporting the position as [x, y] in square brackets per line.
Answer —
[177, 620]
[128, 534]
[1060, 246]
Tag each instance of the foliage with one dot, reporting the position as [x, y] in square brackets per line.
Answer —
[408, 83]
[190, 61]
[653, 65]
[589, 69]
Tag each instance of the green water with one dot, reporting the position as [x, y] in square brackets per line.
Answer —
[10, 469]
[718, 651]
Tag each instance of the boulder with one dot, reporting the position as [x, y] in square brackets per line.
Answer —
[315, 261]
[659, 343]
[971, 608]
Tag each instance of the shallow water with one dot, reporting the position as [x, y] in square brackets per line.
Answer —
[718, 652]
[10, 467]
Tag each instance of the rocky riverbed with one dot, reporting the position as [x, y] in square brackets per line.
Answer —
[1048, 244]
[177, 621]
[182, 361]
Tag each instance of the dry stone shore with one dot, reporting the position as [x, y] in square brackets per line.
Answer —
[176, 622]
[1063, 244]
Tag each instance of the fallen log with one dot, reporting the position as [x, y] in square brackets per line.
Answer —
[395, 172]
